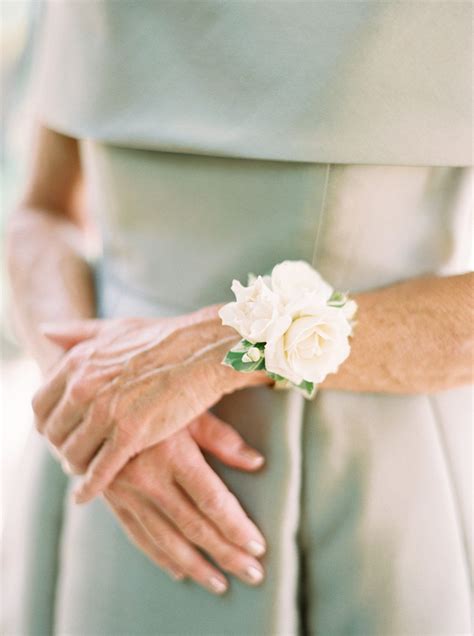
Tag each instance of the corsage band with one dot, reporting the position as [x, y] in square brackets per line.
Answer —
[293, 325]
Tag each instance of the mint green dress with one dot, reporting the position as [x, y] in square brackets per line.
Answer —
[218, 138]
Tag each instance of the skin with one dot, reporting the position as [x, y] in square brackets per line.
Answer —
[170, 508]
[413, 337]
[115, 391]
[129, 384]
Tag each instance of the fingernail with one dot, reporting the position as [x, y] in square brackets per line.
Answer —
[217, 585]
[254, 456]
[255, 548]
[254, 574]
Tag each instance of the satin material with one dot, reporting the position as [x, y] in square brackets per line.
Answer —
[365, 498]
[328, 131]
[321, 80]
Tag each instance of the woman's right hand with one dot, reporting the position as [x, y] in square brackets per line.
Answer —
[170, 503]
[124, 385]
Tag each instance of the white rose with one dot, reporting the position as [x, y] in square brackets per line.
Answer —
[314, 345]
[294, 280]
[257, 314]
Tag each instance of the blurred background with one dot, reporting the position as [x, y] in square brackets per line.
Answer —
[19, 27]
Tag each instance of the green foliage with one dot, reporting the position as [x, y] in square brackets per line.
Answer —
[337, 299]
[307, 388]
[276, 377]
[233, 359]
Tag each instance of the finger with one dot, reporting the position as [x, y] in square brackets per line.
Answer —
[216, 501]
[140, 538]
[85, 440]
[108, 462]
[64, 417]
[175, 546]
[50, 392]
[68, 333]
[201, 532]
[223, 441]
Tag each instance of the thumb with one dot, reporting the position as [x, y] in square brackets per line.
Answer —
[224, 442]
[69, 333]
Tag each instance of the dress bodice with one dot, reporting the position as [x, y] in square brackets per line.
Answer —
[364, 82]
[178, 227]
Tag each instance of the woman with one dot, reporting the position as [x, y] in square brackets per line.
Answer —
[214, 139]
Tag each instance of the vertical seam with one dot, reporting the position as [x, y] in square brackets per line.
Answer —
[301, 536]
[321, 214]
[454, 491]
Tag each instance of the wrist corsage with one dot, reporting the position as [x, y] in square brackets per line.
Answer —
[293, 325]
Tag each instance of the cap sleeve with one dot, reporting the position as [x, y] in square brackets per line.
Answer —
[342, 82]
[69, 92]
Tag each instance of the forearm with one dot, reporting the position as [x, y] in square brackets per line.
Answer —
[412, 337]
[49, 275]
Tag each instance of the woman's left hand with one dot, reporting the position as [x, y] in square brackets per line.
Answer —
[172, 504]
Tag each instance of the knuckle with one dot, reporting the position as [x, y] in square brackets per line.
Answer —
[78, 355]
[156, 492]
[214, 502]
[74, 357]
[194, 529]
[227, 558]
[146, 482]
[100, 407]
[78, 391]
[235, 533]
[162, 540]
[67, 451]
[188, 469]
[53, 435]
[125, 434]
[226, 435]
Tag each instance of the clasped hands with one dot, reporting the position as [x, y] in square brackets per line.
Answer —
[127, 406]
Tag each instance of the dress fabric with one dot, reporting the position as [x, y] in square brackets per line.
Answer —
[365, 497]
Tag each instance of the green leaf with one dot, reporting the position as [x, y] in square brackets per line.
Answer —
[337, 299]
[248, 367]
[235, 355]
[246, 344]
[240, 347]
[275, 376]
[307, 388]
[234, 359]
